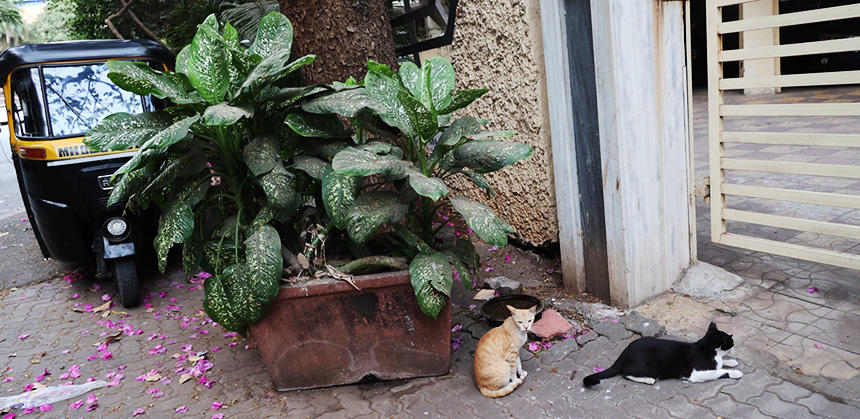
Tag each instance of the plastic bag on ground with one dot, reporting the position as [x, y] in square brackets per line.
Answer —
[48, 395]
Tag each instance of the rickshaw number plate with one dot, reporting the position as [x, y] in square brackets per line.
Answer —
[104, 182]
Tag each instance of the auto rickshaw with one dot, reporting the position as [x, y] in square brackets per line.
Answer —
[54, 93]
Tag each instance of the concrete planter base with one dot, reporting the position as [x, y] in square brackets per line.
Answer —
[326, 333]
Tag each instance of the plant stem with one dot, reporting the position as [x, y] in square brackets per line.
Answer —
[427, 223]
[374, 262]
[319, 238]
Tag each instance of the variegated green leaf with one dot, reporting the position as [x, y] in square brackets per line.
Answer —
[142, 157]
[273, 68]
[121, 131]
[355, 162]
[461, 99]
[370, 210]
[175, 226]
[326, 149]
[218, 307]
[208, 62]
[192, 252]
[347, 102]
[182, 60]
[129, 184]
[264, 263]
[431, 268]
[239, 290]
[261, 154]
[263, 217]
[338, 194]
[466, 126]
[490, 155]
[441, 81]
[383, 90]
[139, 78]
[278, 188]
[171, 135]
[219, 254]
[483, 135]
[185, 165]
[313, 166]
[433, 188]
[225, 114]
[274, 34]
[431, 277]
[480, 181]
[320, 126]
[231, 35]
[420, 118]
[480, 218]
[410, 75]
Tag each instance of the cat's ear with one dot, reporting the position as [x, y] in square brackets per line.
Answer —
[511, 309]
[712, 326]
[533, 309]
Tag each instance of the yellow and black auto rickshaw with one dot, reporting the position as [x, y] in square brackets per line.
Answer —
[54, 93]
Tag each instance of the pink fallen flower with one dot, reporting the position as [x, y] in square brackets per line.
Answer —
[152, 391]
[203, 275]
[598, 368]
[24, 336]
[819, 346]
[96, 286]
[218, 415]
[122, 367]
[106, 355]
[507, 258]
[76, 405]
[29, 387]
[534, 346]
[74, 371]
[182, 409]
[232, 344]
[29, 410]
[10, 415]
[217, 405]
[812, 289]
[138, 411]
[230, 335]
[46, 408]
[204, 382]
[8, 379]
[106, 297]
[489, 268]
[42, 376]
[75, 296]
[92, 398]
[457, 327]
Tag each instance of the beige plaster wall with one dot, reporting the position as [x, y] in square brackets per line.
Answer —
[498, 45]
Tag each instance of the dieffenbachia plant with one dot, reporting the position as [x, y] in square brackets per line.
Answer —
[220, 163]
[401, 182]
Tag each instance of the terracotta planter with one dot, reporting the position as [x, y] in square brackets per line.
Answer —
[327, 333]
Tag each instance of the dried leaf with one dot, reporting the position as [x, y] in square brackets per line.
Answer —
[185, 377]
[303, 261]
[152, 377]
[102, 307]
[113, 338]
[194, 358]
[484, 295]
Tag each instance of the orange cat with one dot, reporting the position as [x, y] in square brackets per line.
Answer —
[498, 370]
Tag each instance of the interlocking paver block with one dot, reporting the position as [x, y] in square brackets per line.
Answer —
[819, 405]
[769, 404]
[749, 386]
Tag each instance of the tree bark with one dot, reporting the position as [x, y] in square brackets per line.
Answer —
[343, 34]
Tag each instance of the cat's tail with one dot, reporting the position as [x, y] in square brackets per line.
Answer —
[594, 379]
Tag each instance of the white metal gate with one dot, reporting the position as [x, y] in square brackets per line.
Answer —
[719, 137]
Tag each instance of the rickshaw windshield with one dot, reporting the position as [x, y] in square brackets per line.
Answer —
[74, 99]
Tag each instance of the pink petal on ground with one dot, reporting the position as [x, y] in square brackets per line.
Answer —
[74, 371]
[230, 335]
[96, 286]
[152, 391]
[10, 415]
[46, 408]
[138, 411]
[217, 405]
[218, 415]
[493, 248]
[507, 258]
[29, 410]
[122, 367]
[182, 409]
[457, 327]
[598, 368]
[24, 336]
[215, 349]
[106, 297]
[28, 387]
[232, 344]
[204, 275]
[75, 296]
[92, 407]
[269, 395]
[92, 398]
[107, 355]
[812, 289]
[489, 268]
[76, 405]
[534, 346]
[819, 346]
[24, 219]
[8, 379]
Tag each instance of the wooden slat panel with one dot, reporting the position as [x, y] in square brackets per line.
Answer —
[791, 50]
[797, 168]
[793, 109]
[831, 78]
[792, 138]
[792, 223]
[715, 122]
[796, 251]
[789, 19]
[724, 3]
[809, 197]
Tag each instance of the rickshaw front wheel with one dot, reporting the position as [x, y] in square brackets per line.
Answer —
[125, 275]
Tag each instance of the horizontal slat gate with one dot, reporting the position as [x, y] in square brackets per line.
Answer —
[719, 136]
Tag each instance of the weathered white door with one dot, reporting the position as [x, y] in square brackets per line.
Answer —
[842, 115]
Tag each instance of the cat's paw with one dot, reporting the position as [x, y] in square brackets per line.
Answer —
[735, 374]
[523, 374]
[730, 362]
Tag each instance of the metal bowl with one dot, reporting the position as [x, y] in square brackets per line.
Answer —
[495, 311]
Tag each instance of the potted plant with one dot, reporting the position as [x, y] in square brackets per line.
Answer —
[248, 159]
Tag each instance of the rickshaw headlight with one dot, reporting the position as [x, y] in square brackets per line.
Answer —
[116, 227]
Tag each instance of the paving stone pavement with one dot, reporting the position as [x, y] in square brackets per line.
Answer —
[41, 331]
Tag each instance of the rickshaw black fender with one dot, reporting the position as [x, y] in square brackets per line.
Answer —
[42, 247]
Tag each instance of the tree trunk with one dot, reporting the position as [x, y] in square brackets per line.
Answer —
[343, 34]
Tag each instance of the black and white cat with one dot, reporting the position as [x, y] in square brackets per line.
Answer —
[647, 359]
